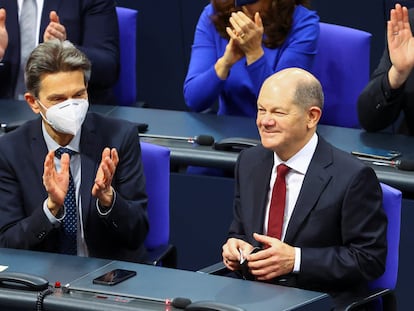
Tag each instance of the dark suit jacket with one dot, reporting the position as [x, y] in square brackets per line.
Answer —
[23, 224]
[379, 106]
[91, 25]
[338, 220]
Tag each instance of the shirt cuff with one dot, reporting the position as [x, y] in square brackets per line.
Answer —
[105, 211]
[55, 221]
[296, 267]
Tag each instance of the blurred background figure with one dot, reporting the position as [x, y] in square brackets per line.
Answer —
[238, 44]
[91, 25]
[390, 93]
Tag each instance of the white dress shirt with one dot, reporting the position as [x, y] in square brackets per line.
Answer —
[298, 165]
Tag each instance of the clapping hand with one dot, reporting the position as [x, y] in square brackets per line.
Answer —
[102, 188]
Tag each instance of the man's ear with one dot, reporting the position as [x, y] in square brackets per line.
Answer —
[314, 115]
[32, 102]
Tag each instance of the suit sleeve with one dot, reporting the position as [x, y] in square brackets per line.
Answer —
[236, 229]
[363, 234]
[100, 41]
[23, 224]
[378, 105]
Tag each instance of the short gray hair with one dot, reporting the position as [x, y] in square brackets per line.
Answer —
[309, 93]
[54, 56]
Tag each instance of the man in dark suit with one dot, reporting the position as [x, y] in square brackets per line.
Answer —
[110, 210]
[91, 25]
[333, 237]
[388, 99]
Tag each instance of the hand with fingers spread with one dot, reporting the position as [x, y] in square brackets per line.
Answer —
[102, 188]
[387, 101]
[4, 37]
[55, 30]
[400, 46]
[56, 183]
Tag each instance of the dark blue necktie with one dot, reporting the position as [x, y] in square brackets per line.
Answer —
[68, 240]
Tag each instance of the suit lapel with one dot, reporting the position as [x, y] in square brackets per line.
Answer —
[313, 185]
[261, 174]
[90, 149]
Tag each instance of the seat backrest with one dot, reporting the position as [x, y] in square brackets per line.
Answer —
[342, 65]
[156, 162]
[125, 89]
[392, 199]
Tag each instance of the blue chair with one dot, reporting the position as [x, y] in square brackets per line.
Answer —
[156, 162]
[125, 89]
[383, 288]
[342, 65]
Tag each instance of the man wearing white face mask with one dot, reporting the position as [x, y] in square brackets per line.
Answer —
[90, 200]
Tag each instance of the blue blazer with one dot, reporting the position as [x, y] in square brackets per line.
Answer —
[338, 220]
[91, 25]
[24, 225]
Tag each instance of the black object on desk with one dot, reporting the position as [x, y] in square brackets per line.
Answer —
[235, 143]
[23, 281]
[156, 283]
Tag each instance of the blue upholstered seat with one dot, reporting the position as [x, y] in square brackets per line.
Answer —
[156, 162]
[126, 88]
[342, 65]
[383, 288]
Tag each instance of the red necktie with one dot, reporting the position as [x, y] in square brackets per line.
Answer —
[278, 203]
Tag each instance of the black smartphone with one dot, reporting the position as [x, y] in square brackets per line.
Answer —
[245, 268]
[114, 277]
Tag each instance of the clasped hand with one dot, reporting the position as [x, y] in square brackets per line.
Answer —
[245, 37]
[57, 183]
[276, 258]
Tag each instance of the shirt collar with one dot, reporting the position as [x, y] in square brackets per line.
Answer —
[301, 160]
[53, 145]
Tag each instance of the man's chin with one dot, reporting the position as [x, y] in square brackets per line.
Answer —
[269, 143]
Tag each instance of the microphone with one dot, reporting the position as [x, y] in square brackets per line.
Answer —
[401, 164]
[405, 165]
[202, 140]
[177, 302]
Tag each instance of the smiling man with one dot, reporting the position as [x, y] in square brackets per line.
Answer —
[321, 226]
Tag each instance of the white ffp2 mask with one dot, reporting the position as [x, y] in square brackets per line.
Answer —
[67, 117]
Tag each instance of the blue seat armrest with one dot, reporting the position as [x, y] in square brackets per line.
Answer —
[389, 301]
[217, 269]
[165, 255]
